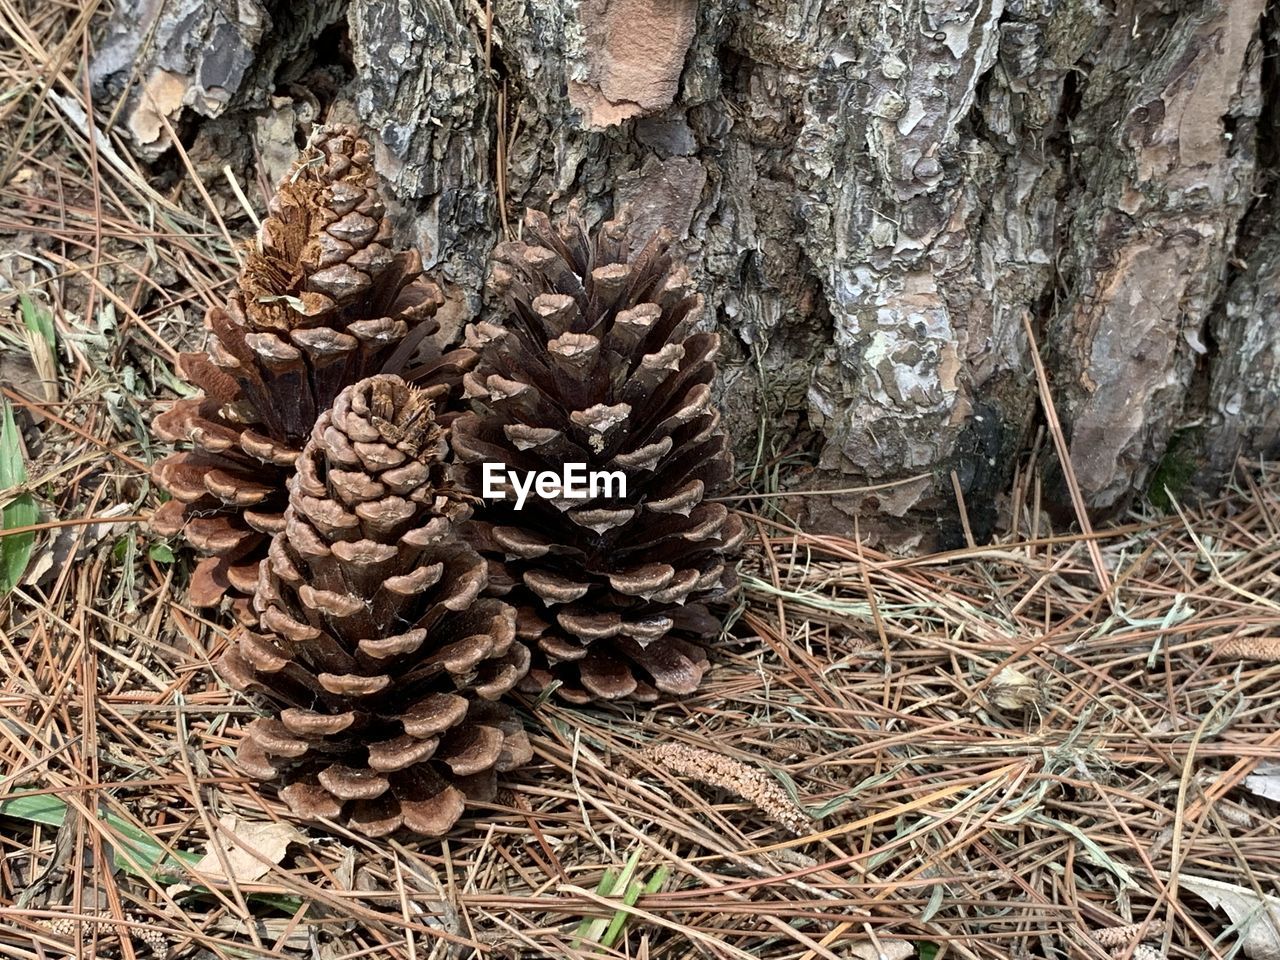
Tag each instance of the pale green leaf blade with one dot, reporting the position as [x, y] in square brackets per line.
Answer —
[37, 320]
[21, 511]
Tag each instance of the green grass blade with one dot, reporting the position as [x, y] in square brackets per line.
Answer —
[38, 321]
[143, 855]
[137, 853]
[590, 928]
[634, 892]
[21, 511]
[597, 926]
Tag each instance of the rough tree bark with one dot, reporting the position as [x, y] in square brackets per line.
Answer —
[875, 195]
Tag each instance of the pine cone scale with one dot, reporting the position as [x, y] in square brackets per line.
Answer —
[392, 756]
[309, 724]
[307, 800]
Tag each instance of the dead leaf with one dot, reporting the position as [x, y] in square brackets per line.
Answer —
[1257, 919]
[1264, 781]
[249, 848]
[162, 97]
[1011, 689]
[883, 950]
[55, 556]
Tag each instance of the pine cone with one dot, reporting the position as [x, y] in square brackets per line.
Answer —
[377, 656]
[322, 302]
[596, 365]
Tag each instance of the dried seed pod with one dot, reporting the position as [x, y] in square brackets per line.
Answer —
[1266, 649]
[377, 658]
[1011, 689]
[750, 783]
[321, 302]
[596, 364]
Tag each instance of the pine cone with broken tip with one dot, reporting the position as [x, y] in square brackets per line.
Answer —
[596, 364]
[379, 660]
[322, 301]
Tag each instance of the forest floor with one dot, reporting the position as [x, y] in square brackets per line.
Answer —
[1052, 745]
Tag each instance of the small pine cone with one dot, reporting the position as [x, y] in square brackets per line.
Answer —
[596, 365]
[379, 661]
[322, 302]
[1266, 649]
[1123, 936]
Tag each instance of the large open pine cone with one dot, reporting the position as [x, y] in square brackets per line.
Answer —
[596, 365]
[379, 659]
[322, 301]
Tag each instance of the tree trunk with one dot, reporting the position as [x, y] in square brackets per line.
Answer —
[874, 197]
